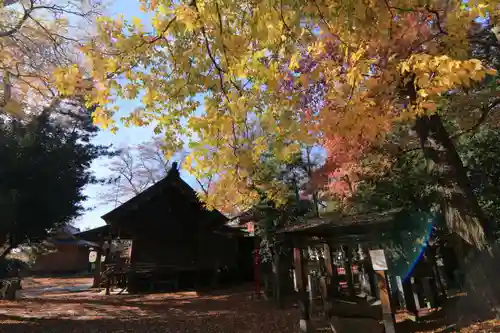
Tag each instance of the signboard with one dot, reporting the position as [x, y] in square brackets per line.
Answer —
[92, 256]
[379, 263]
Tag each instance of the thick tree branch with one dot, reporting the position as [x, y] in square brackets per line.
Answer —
[484, 114]
[6, 251]
[21, 21]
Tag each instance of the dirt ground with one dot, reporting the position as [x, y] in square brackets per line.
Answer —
[68, 309]
[66, 305]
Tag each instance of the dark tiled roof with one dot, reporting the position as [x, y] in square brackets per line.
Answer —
[94, 234]
[171, 181]
[337, 222]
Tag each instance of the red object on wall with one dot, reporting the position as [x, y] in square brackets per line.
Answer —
[250, 228]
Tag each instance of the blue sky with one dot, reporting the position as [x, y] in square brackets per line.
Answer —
[125, 136]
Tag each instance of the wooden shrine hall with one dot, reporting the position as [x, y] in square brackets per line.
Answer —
[363, 239]
[171, 241]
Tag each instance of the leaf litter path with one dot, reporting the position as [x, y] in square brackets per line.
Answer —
[44, 309]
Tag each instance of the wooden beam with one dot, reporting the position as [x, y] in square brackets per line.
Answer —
[300, 275]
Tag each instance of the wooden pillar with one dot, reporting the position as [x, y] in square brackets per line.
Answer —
[400, 293]
[277, 278]
[107, 260]
[440, 288]
[256, 266]
[411, 300]
[379, 264]
[323, 286]
[440, 282]
[417, 292]
[348, 271]
[311, 294]
[369, 285]
[132, 275]
[300, 276]
[372, 280]
[385, 300]
[98, 263]
[331, 271]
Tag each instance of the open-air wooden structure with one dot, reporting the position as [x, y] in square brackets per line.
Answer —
[174, 240]
[362, 232]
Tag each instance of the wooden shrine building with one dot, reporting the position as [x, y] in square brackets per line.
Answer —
[174, 241]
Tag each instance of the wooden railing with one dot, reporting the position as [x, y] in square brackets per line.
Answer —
[114, 273]
[149, 267]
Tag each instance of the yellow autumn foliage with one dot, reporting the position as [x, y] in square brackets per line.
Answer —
[36, 37]
[239, 57]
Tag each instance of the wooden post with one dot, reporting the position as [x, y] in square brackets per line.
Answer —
[400, 293]
[379, 264]
[348, 271]
[300, 276]
[256, 267]
[385, 300]
[311, 294]
[416, 285]
[368, 284]
[415, 295]
[371, 277]
[97, 271]
[324, 296]
[277, 278]
[107, 260]
[441, 290]
[331, 271]
[410, 301]
[132, 276]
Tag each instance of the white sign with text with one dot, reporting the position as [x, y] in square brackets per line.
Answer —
[379, 263]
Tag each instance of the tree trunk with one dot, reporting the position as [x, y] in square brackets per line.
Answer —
[463, 214]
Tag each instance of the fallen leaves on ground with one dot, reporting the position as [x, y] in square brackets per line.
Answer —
[46, 307]
[225, 311]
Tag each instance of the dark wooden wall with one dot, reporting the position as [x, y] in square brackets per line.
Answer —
[67, 258]
[172, 231]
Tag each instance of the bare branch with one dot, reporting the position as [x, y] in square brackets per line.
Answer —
[134, 170]
[20, 23]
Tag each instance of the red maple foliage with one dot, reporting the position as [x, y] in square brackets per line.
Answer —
[331, 118]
